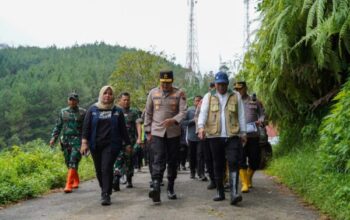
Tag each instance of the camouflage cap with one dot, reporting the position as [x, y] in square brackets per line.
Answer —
[240, 84]
[74, 96]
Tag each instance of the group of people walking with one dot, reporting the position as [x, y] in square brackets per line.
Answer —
[220, 130]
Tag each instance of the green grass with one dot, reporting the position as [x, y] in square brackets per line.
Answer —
[301, 171]
[33, 169]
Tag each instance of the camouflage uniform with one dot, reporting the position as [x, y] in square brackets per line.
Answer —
[124, 162]
[69, 124]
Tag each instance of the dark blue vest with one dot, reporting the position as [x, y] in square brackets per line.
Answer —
[116, 139]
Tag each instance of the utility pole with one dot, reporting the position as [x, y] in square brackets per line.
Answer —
[192, 58]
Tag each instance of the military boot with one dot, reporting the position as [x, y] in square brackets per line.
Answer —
[212, 184]
[234, 181]
[170, 190]
[105, 199]
[116, 183]
[220, 193]
[154, 194]
[129, 180]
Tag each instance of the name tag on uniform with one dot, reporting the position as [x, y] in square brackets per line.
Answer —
[251, 127]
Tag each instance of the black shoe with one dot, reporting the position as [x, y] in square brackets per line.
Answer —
[154, 194]
[203, 178]
[193, 175]
[211, 185]
[106, 199]
[129, 182]
[171, 192]
[116, 183]
[220, 194]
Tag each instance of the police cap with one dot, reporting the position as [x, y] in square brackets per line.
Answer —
[166, 76]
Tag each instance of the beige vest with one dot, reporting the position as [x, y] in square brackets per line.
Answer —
[213, 124]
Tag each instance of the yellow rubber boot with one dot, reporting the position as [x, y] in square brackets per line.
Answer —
[244, 177]
[69, 182]
[250, 174]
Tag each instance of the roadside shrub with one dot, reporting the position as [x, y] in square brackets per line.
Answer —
[335, 134]
[34, 168]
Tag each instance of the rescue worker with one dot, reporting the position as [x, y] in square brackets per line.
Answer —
[124, 163]
[69, 124]
[165, 108]
[255, 116]
[222, 121]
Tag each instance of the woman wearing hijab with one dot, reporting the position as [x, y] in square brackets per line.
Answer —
[104, 133]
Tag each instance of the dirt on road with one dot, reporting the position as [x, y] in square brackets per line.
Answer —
[266, 201]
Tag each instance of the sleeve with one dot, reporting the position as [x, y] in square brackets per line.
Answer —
[182, 108]
[187, 121]
[122, 126]
[58, 127]
[261, 112]
[87, 125]
[241, 115]
[203, 114]
[139, 119]
[148, 113]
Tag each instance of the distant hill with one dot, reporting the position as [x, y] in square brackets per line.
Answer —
[35, 82]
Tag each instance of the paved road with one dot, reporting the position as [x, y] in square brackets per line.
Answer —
[267, 200]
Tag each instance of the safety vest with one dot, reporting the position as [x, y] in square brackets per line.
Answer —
[213, 124]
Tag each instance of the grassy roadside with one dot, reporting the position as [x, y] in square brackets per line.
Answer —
[300, 170]
[32, 169]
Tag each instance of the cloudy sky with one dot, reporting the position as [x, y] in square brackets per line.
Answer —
[159, 25]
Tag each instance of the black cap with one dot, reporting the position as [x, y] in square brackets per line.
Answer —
[74, 96]
[166, 76]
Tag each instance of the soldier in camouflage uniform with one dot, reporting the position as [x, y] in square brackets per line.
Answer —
[69, 124]
[124, 163]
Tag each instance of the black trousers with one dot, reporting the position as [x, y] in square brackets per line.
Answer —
[225, 148]
[197, 157]
[208, 158]
[251, 154]
[104, 158]
[193, 145]
[182, 155]
[164, 152]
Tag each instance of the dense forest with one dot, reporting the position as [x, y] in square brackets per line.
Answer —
[299, 64]
[35, 82]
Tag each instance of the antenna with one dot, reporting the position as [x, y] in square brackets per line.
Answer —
[192, 59]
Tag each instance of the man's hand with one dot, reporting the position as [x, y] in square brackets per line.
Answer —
[139, 141]
[168, 122]
[128, 149]
[84, 149]
[244, 140]
[201, 133]
[149, 137]
[52, 142]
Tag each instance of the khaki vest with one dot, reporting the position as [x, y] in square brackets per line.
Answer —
[213, 124]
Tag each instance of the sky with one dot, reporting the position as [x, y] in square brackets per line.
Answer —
[152, 25]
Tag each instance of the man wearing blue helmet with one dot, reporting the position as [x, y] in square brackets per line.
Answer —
[222, 122]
